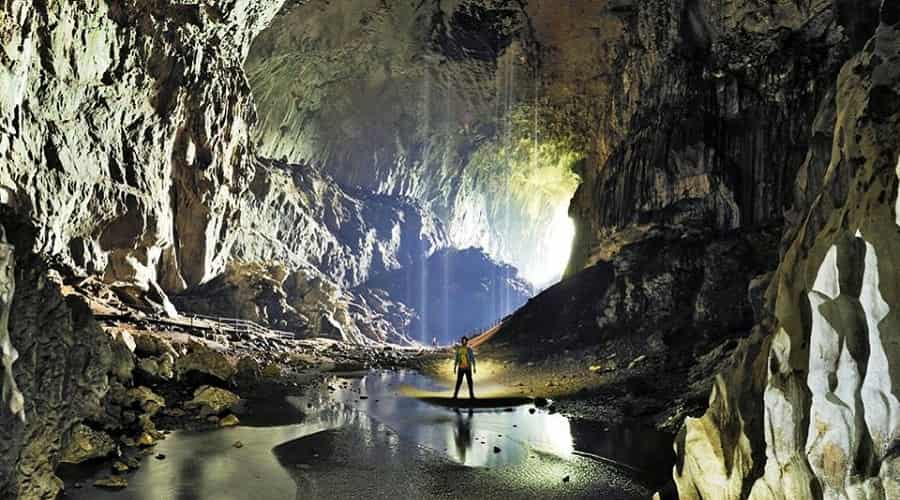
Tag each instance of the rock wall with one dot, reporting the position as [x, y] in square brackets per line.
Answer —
[294, 215]
[125, 129]
[62, 373]
[430, 100]
[818, 415]
[126, 139]
[716, 118]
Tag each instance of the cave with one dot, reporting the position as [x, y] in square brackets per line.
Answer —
[443, 248]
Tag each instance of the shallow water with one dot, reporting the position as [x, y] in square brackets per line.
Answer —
[362, 438]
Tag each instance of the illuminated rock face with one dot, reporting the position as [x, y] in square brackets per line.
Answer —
[125, 131]
[823, 388]
[432, 100]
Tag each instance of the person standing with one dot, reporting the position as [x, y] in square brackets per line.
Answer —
[464, 365]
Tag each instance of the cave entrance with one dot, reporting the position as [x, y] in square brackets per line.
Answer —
[437, 102]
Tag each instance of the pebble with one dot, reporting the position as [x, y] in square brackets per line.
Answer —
[238, 444]
[497, 449]
[160, 456]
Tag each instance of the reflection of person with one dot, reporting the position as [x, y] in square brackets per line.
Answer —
[463, 434]
[464, 364]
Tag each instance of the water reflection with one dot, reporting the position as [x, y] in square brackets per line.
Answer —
[463, 435]
[362, 426]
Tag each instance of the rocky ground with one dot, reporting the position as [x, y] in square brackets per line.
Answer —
[169, 374]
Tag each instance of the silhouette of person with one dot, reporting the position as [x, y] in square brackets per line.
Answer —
[462, 434]
[464, 365]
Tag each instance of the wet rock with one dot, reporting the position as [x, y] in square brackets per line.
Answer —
[238, 444]
[146, 439]
[497, 449]
[114, 482]
[146, 399]
[174, 412]
[160, 456]
[84, 443]
[565, 479]
[204, 361]
[120, 467]
[229, 421]
[212, 400]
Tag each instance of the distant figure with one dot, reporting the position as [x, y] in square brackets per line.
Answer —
[464, 364]
[434, 342]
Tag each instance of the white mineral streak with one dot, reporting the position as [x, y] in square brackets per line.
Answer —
[11, 395]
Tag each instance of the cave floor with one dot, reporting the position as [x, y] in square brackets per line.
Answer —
[366, 435]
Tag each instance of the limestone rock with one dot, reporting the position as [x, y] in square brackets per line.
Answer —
[152, 345]
[229, 421]
[64, 381]
[122, 359]
[113, 482]
[248, 368]
[205, 361]
[827, 404]
[212, 400]
[272, 370]
[144, 398]
[84, 443]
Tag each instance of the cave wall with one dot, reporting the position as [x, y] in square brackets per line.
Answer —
[63, 370]
[126, 139]
[827, 401]
[125, 131]
[431, 100]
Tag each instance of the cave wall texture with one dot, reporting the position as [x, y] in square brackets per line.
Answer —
[129, 137]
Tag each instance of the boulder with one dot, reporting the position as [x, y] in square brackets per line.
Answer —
[212, 400]
[85, 444]
[114, 482]
[122, 358]
[205, 361]
[272, 370]
[248, 368]
[146, 399]
[229, 421]
[152, 345]
[161, 368]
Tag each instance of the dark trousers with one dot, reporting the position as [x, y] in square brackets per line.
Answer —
[459, 378]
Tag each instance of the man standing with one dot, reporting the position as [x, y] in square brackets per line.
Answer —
[464, 364]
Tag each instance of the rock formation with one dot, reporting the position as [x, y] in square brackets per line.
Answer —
[62, 382]
[697, 132]
[829, 406]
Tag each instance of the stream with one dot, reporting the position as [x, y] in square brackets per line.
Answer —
[360, 436]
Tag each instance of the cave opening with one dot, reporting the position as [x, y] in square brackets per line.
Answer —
[441, 106]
